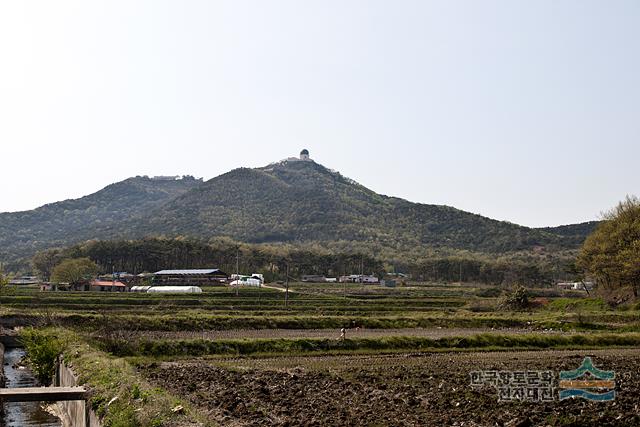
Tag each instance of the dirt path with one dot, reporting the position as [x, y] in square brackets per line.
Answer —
[278, 288]
[327, 333]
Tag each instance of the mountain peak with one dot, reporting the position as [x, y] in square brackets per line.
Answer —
[303, 157]
[295, 200]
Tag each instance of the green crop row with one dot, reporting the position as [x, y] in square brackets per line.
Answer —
[200, 347]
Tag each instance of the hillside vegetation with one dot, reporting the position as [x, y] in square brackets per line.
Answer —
[306, 202]
[298, 203]
[70, 221]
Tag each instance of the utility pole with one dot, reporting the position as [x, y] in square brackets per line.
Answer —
[362, 271]
[237, 261]
[237, 270]
[286, 292]
[344, 289]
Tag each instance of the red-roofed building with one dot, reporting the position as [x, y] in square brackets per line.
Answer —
[107, 286]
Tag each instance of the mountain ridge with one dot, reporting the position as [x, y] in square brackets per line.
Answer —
[293, 202]
[72, 220]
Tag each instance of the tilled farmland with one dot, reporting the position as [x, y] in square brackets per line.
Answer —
[335, 355]
[386, 390]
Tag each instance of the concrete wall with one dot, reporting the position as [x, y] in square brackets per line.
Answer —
[72, 413]
[1, 377]
[1, 367]
[9, 338]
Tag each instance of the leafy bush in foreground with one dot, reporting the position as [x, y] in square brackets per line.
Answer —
[42, 351]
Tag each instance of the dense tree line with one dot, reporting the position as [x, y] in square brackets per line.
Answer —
[301, 204]
[453, 269]
[153, 254]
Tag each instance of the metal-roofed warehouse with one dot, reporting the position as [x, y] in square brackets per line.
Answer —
[195, 277]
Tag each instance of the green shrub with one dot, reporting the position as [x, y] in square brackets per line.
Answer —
[42, 351]
[518, 299]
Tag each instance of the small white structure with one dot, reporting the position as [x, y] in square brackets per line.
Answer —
[247, 281]
[359, 278]
[256, 279]
[174, 290]
[576, 286]
[304, 155]
[139, 288]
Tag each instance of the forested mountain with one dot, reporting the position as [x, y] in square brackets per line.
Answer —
[574, 233]
[297, 202]
[61, 223]
[302, 201]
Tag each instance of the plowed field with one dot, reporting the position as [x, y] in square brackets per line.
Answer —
[393, 390]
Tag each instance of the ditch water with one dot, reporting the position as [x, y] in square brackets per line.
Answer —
[25, 414]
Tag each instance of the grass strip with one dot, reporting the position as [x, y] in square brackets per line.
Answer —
[202, 347]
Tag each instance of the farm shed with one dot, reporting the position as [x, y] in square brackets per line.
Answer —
[195, 277]
[107, 286]
[174, 290]
[24, 280]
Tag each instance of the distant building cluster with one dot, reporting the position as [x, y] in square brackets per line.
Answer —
[165, 178]
[190, 281]
[352, 278]
[359, 278]
[171, 177]
[576, 286]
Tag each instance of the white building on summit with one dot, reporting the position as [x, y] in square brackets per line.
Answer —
[304, 157]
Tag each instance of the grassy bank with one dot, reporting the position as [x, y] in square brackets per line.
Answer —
[200, 347]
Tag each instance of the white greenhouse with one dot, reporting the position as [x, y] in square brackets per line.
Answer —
[174, 290]
[247, 281]
[139, 288]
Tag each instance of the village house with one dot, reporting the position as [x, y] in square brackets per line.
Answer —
[359, 278]
[107, 286]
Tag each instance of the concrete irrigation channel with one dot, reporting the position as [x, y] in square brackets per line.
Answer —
[22, 397]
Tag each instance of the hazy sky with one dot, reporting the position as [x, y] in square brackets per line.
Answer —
[526, 111]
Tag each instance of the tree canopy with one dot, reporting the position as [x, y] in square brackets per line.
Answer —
[611, 254]
[292, 203]
[153, 254]
[74, 270]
